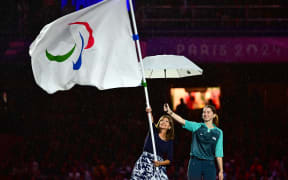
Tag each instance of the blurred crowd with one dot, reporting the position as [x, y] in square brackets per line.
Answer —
[27, 17]
[85, 135]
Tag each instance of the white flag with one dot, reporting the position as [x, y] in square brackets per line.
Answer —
[93, 46]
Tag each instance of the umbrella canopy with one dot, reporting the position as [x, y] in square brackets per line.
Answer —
[169, 66]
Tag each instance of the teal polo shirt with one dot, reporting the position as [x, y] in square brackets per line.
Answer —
[206, 143]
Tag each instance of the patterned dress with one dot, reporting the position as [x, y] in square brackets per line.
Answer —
[144, 168]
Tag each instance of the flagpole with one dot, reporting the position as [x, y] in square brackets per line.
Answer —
[136, 38]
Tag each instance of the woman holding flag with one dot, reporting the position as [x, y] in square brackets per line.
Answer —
[207, 144]
[146, 167]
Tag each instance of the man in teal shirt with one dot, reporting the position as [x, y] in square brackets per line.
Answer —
[207, 144]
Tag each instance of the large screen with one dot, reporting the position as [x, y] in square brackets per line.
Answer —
[196, 97]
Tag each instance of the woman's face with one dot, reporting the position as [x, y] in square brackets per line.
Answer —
[207, 114]
[164, 124]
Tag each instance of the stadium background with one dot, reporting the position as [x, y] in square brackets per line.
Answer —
[100, 134]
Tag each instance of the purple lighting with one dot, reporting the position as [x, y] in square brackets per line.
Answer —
[223, 49]
[79, 3]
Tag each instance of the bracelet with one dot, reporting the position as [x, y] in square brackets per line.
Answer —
[170, 113]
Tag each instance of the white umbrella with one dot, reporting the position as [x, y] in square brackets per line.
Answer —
[169, 66]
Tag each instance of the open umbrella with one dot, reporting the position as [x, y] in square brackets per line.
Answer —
[169, 66]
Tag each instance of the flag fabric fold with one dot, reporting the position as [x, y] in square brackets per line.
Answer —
[93, 46]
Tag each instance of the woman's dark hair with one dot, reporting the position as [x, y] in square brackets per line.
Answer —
[170, 132]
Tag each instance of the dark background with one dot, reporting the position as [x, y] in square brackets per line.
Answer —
[100, 134]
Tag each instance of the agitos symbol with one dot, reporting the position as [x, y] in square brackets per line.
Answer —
[64, 57]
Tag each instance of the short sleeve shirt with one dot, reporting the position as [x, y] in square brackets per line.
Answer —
[206, 143]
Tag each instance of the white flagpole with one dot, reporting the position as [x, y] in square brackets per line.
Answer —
[136, 37]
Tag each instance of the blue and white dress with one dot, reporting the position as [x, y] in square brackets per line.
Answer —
[144, 168]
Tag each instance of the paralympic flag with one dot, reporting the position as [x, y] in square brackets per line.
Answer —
[93, 46]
